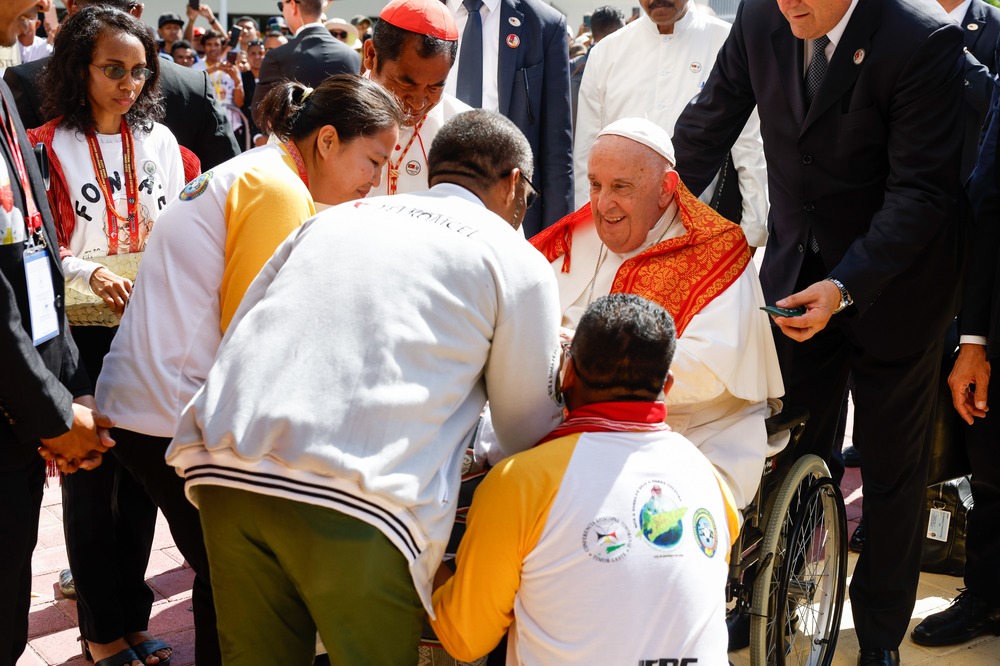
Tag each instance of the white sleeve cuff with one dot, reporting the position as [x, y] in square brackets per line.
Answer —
[973, 340]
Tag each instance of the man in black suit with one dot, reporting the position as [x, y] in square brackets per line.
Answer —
[309, 57]
[44, 392]
[976, 610]
[862, 137]
[191, 113]
[529, 83]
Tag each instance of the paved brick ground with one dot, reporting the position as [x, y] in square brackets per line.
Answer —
[53, 632]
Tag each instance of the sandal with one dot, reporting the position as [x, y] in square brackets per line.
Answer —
[123, 658]
[147, 648]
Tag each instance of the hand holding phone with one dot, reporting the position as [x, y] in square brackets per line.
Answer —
[775, 311]
[234, 35]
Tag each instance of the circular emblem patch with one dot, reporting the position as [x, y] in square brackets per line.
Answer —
[859, 56]
[695, 67]
[514, 21]
[513, 41]
[196, 187]
[413, 167]
[659, 517]
[607, 539]
[704, 530]
[149, 167]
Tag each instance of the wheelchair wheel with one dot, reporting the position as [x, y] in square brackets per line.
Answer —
[799, 589]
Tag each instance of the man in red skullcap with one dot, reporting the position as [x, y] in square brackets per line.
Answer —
[413, 46]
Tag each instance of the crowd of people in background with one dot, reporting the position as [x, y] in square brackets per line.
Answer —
[300, 285]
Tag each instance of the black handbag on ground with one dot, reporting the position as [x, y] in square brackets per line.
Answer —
[947, 556]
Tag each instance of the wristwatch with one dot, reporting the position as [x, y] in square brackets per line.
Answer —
[845, 296]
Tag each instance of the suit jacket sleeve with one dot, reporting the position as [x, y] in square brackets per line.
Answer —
[556, 160]
[708, 128]
[23, 92]
[34, 401]
[216, 142]
[924, 140]
[984, 194]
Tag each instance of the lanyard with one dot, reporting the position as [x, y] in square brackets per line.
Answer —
[394, 168]
[300, 163]
[131, 189]
[33, 221]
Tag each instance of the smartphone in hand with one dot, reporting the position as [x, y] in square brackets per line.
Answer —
[194, 4]
[775, 311]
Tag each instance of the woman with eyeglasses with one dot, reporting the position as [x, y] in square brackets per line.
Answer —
[113, 169]
[209, 245]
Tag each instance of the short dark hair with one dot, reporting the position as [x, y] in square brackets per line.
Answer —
[64, 78]
[481, 145]
[246, 19]
[605, 20]
[354, 106]
[311, 8]
[212, 34]
[624, 343]
[180, 44]
[123, 5]
[389, 40]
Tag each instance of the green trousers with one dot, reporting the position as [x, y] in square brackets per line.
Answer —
[282, 570]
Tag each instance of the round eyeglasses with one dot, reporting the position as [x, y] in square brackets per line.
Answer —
[117, 72]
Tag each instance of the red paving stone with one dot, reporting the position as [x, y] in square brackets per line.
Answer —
[53, 631]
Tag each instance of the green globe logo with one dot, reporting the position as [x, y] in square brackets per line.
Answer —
[660, 520]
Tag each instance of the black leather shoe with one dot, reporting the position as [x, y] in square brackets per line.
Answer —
[857, 543]
[878, 657]
[852, 457]
[967, 617]
[738, 625]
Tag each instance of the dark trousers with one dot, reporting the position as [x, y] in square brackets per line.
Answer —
[108, 520]
[143, 456]
[894, 403]
[22, 476]
[983, 544]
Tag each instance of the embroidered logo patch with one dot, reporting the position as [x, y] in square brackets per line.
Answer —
[695, 67]
[658, 516]
[196, 187]
[413, 167]
[149, 167]
[704, 531]
[607, 539]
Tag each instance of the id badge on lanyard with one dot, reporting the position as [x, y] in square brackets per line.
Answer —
[41, 295]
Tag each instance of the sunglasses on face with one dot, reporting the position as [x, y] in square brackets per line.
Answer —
[117, 72]
[255, 42]
[339, 34]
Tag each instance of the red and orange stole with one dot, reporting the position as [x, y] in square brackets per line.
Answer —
[682, 274]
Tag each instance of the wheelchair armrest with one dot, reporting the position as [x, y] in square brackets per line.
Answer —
[784, 421]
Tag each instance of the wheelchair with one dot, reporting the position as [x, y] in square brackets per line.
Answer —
[788, 567]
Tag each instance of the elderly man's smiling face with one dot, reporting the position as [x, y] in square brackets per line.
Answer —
[630, 187]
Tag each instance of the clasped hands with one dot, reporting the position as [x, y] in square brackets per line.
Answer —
[83, 445]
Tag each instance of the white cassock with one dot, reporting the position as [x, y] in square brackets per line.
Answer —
[725, 367]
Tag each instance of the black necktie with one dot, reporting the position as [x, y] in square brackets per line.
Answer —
[817, 67]
[470, 60]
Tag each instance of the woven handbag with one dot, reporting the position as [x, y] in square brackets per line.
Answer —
[87, 309]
